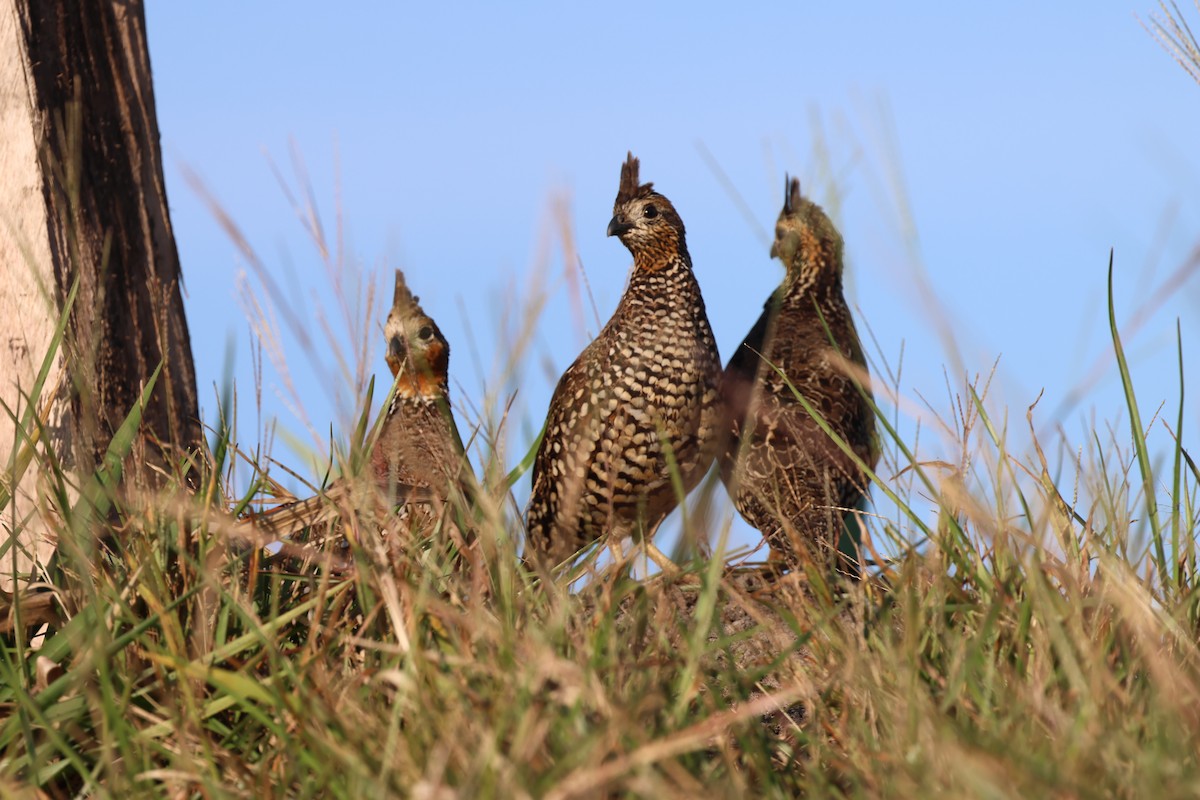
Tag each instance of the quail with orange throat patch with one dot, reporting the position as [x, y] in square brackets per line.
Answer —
[419, 444]
[641, 400]
[786, 476]
[418, 450]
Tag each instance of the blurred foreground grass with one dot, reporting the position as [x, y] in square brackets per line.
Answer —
[1038, 640]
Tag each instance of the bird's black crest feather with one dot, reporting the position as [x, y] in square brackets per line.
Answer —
[791, 194]
[630, 188]
[403, 296]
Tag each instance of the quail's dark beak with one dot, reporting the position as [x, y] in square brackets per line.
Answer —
[396, 348]
[775, 249]
[618, 225]
[395, 354]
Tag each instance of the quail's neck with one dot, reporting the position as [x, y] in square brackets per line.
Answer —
[661, 260]
[807, 285]
[661, 253]
[665, 279]
[420, 390]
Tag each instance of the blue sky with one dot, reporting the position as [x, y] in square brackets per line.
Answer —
[990, 154]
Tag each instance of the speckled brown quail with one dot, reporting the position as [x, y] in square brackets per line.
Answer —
[418, 450]
[787, 477]
[647, 386]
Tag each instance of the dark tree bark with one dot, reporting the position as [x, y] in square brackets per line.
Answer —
[80, 77]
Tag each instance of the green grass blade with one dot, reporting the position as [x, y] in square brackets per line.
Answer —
[1177, 554]
[1139, 433]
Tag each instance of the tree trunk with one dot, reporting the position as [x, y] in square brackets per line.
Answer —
[82, 198]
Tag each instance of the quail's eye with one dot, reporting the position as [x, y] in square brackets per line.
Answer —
[425, 334]
[778, 234]
[651, 211]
